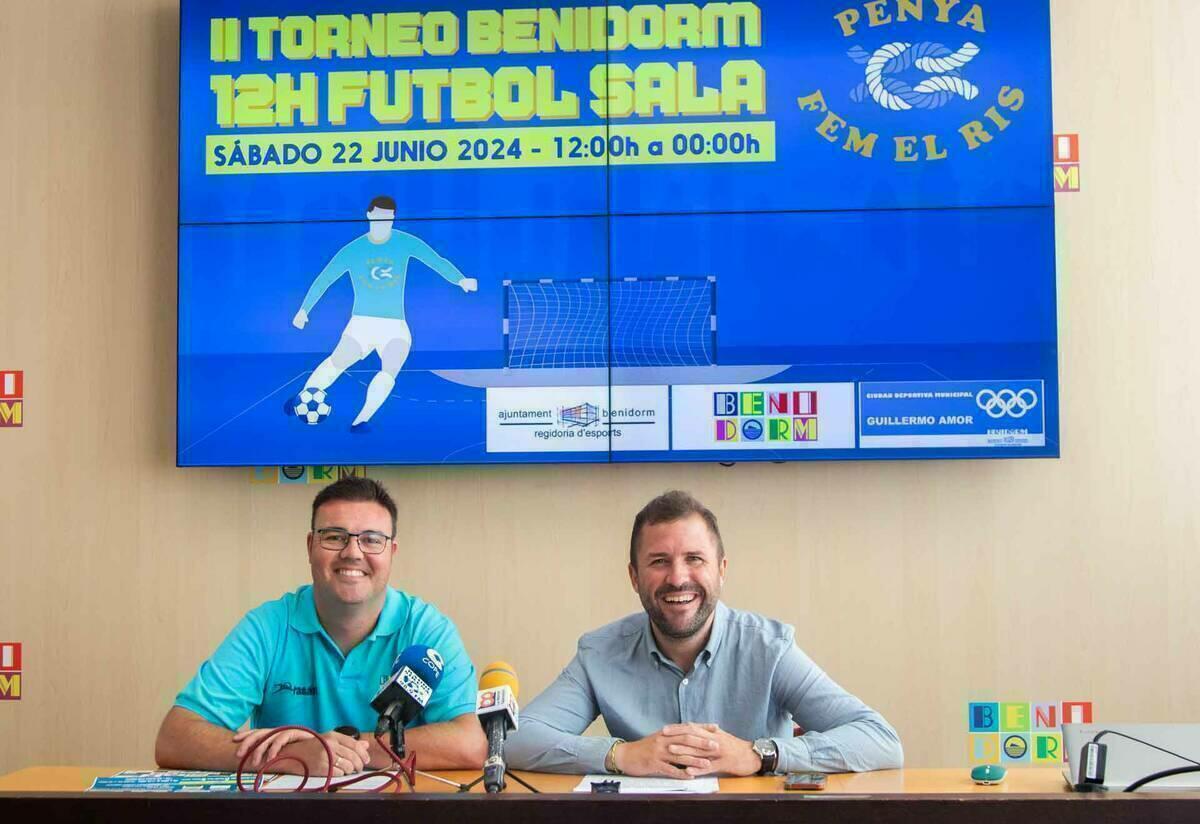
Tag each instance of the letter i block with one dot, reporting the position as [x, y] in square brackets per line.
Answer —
[1077, 712]
[984, 717]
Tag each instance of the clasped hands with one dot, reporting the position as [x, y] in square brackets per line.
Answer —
[687, 751]
[349, 755]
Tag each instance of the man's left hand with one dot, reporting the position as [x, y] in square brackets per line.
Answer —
[731, 756]
[469, 284]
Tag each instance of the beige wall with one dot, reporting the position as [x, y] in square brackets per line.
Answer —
[918, 585]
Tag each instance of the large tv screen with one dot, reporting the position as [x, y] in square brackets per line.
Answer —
[496, 232]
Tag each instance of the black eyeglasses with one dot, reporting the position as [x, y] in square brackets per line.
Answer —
[335, 539]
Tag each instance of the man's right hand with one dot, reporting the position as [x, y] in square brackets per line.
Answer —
[349, 755]
[672, 752]
[300, 320]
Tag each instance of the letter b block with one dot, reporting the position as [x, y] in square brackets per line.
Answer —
[984, 717]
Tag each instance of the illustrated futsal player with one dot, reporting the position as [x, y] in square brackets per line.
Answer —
[378, 266]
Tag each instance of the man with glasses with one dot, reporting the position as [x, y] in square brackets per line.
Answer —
[316, 657]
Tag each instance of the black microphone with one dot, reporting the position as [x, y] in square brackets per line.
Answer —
[496, 706]
[415, 675]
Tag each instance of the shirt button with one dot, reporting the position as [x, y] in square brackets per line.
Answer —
[685, 682]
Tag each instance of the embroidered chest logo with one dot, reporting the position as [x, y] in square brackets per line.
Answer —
[287, 686]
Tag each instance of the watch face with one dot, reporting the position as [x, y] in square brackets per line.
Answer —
[765, 746]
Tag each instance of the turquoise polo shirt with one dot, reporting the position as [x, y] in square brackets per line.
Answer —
[278, 666]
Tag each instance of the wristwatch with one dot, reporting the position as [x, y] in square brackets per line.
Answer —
[765, 749]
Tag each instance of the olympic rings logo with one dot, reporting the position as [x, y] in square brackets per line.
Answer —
[1006, 402]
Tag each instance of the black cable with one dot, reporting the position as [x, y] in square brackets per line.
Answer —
[1141, 782]
[1103, 733]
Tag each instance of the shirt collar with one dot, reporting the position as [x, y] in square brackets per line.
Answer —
[721, 616]
[391, 618]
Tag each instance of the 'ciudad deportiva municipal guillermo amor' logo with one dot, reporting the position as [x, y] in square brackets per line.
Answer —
[899, 75]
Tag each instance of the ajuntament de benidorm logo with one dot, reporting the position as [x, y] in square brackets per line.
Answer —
[901, 78]
[740, 416]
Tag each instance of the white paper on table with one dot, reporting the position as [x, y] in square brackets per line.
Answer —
[630, 784]
[292, 782]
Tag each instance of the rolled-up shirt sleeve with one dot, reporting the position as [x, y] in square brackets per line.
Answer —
[550, 737]
[841, 733]
[231, 684]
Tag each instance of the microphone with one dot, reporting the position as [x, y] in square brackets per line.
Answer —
[496, 706]
[415, 675]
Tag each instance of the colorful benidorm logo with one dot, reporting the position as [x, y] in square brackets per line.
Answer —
[1019, 732]
[906, 77]
[304, 474]
[12, 398]
[765, 416]
[1066, 163]
[10, 671]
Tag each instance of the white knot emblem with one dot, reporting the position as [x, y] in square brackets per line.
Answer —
[889, 91]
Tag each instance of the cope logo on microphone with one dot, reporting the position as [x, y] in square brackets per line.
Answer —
[433, 659]
[10, 671]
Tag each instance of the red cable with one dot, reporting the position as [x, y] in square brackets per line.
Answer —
[404, 767]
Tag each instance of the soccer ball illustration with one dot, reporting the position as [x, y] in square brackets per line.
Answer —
[310, 406]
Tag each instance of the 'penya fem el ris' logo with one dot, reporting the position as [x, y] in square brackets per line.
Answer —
[886, 64]
[921, 84]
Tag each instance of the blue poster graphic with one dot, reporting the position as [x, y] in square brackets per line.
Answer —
[502, 232]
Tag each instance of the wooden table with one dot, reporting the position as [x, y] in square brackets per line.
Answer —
[42, 794]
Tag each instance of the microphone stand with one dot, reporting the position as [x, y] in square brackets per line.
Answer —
[407, 762]
[466, 787]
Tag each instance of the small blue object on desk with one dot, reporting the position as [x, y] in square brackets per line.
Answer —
[988, 774]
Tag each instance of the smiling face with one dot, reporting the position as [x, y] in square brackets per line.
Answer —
[678, 575]
[350, 577]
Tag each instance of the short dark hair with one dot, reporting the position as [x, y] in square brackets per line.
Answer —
[383, 202]
[672, 506]
[355, 489]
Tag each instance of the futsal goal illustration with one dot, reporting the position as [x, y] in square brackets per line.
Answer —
[593, 324]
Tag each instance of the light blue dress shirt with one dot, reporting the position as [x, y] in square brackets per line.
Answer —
[279, 666]
[750, 679]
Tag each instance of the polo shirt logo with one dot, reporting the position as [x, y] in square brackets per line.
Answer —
[286, 686]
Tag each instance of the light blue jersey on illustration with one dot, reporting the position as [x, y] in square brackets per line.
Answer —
[378, 272]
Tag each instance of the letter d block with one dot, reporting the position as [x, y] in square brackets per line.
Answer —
[985, 749]
[264, 474]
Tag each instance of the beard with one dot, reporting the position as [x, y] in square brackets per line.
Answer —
[678, 631]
